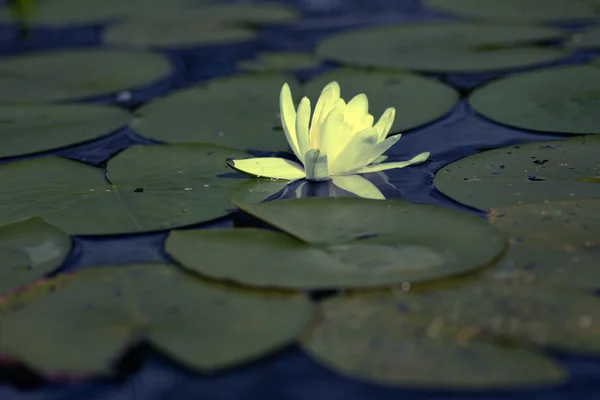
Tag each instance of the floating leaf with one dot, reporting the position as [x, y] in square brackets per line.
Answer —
[566, 320]
[556, 242]
[405, 91]
[83, 327]
[148, 188]
[282, 61]
[335, 252]
[518, 10]
[77, 74]
[30, 249]
[444, 47]
[32, 129]
[373, 340]
[258, 190]
[586, 39]
[239, 112]
[559, 100]
[527, 173]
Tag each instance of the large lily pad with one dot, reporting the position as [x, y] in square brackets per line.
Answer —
[76, 12]
[444, 47]
[565, 320]
[586, 39]
[527, 173]
[518, 10]
[30, 249]
[240, 113]
[559, 100]
[553, 242]
[280, 61]
[77, 74]
[373, 340]
[32, 129]
[145, 188]
[405, 91]
[338, 247]
[85, 325]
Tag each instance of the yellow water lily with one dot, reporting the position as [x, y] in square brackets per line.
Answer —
[338, 143]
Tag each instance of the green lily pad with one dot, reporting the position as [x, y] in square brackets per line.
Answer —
[565, 320]
[444, 47]
[76, 74]
[586, 39]
[240, 113]
[282, 61]
[553, 242]
[558, 100]
[373, 340]
[258, 190]
[145, 188]
[405, 91]
[557, 170]
[518, 10]
[75, 12]
[32, 129]
[30, 249]
[88, 323]
[336, 250]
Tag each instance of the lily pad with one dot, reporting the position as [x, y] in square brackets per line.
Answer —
[36, 128]
[239, 112]
[557, 100]
[282, 61]
[374, 340]
[145, 188]
[553, 242]
[338, 251]
[88, 323]
[76, 12]
[518, 10]
[586, 39]
[77, 74]
[30, 249]
[405, 91]
[444, 47]
[565, 320]
[556, 170]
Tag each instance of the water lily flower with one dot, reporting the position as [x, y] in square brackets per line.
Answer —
[338, 143]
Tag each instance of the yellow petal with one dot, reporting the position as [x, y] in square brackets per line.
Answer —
[288, 118]
[268, 167]
[359, 186]
[334, 133]
[328, 97]
[385, 123]
[400, 164]
[315, 162]
[382, 147]
[365, 123]
[357, 109]
[356, 153]
[302, 121]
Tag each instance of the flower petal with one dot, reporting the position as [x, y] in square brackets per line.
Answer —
[382, 147]
[357, 109]
[287, 113]
[302, 122]
[359, 186]
[356, 153]
[329, 95]
[315, 162]
[335, 133]
[385, 123]
[268, 167]
[366, 122]
[400, 164]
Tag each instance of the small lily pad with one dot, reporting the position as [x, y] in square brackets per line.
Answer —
[565, 320]
[557, 100]
[36, 128]
[518, 10]
[30, 249]
[338, 251]
[553, 242]
[83, 327]
[239, 112]
[532, 172]
[444, 47]
[373, 340]
[405, 91]
[145, 188]
[282, 61]
[77, 74]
